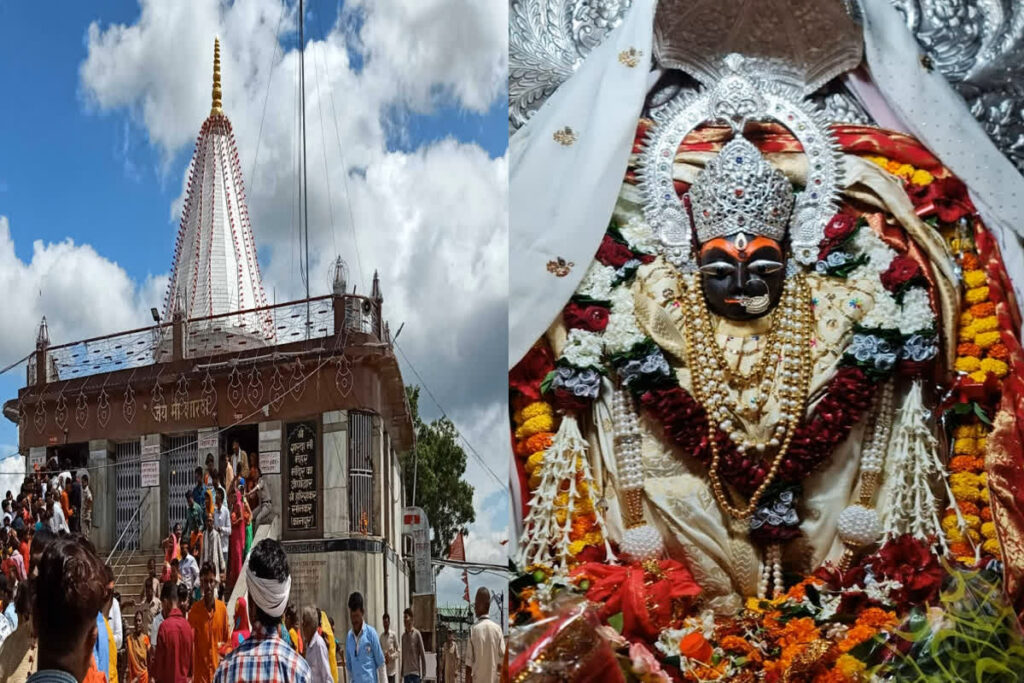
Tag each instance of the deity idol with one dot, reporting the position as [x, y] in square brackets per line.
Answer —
[788, 385]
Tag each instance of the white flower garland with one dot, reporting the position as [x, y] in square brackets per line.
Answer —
[583, 349]
[639, 236]
[622, 332]
[597, 283]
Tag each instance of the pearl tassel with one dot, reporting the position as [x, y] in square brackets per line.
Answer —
[771, 573]
[640, 541]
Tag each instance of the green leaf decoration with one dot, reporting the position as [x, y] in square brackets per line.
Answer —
[615, 621]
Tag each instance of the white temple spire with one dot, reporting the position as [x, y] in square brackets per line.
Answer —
[215, 268]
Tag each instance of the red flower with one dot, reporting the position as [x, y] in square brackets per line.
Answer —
[902, 270]
[912, 563]
[947, 198]
[612, 253]
[566, 401]
[840, 227]
[646, 598]
[592, 318]
[527, 375]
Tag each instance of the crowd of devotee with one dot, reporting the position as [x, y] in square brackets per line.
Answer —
[61, 617]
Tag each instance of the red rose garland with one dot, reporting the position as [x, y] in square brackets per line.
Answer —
[847, 397]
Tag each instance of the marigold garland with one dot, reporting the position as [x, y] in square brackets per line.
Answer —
[980, 354]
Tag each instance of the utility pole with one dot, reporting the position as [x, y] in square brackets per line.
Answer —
[303, 178]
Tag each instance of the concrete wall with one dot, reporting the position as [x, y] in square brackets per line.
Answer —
[101, 479]
[270, 441]
[151, 513]
[335, 469]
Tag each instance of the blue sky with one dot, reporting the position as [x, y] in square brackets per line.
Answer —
[78, 164]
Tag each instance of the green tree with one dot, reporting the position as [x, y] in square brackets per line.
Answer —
[440, 489]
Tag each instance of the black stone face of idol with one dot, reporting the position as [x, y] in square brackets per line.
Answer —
[742, 275]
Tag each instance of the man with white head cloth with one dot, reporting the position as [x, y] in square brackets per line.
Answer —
[265, 657]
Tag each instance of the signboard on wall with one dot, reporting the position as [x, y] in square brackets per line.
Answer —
[416, 525]
[270, 462]
[301, 456]
[149, 473]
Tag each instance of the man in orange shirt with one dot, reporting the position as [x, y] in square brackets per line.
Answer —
[209, 621]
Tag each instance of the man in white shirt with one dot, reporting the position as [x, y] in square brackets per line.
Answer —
[389, 643]
[212, 549]
[58, 522]
[316, 648]
[485, 653]
[188, 569]
[222, 523]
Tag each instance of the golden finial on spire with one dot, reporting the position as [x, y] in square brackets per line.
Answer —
[216, 109]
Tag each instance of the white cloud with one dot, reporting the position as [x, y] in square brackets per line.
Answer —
[12, 470]
[81, 293]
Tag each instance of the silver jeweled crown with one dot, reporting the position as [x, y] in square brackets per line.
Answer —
[739, 191]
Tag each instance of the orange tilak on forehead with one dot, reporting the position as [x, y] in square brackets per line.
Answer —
[752, 245]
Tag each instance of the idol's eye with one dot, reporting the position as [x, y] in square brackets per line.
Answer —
[718, 269]
[765, 267]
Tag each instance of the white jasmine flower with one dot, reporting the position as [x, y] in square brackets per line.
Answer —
[583, 349]
[884, 313]
[622, 332]
[879, 254]
[639, 236]
[597, 283]
[917, 310]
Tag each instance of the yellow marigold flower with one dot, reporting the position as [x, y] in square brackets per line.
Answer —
[976, 295]
[978, 376]
[995, 366]
[954, 245]
[988, 530]
[965, 446]
[533, 410]
[986, 324]
[966, 333]
[892, 166]
[905, 171]
[973, 521]
[983, 495]
[562, 498]
[922, 177]
[967, 364]
[982, 442]
[576, 547]
[983, 479]
[593, 538]
[535, 425]
[561, 515]
[582, 488]
[968, 431]
[957, 536]
[966, 319]
[881, 161]
[991, 546]
[974, 278]
[850, 667]
[968, 479]
[949, 522]
[534, 480]
[533, 462]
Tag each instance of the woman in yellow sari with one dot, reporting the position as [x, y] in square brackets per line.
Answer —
[136, 649]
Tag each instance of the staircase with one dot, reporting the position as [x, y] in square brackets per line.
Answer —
[129, 575]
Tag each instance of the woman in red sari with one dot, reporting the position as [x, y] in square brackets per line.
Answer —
[237, 541]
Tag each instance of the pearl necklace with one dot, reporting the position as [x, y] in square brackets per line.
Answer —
[711, 387]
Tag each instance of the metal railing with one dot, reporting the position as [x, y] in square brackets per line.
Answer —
[120, 549]
[231, 332]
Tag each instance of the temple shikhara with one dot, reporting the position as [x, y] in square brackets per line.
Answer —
[310, 390]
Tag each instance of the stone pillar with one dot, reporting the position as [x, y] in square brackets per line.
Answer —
[335, 469]
[102, 482]
[270, 442]
[154, 498]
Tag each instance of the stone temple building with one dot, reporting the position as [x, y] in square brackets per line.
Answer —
[311, 389]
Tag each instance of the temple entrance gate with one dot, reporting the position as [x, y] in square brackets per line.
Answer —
[182, 460]
[127, 474]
